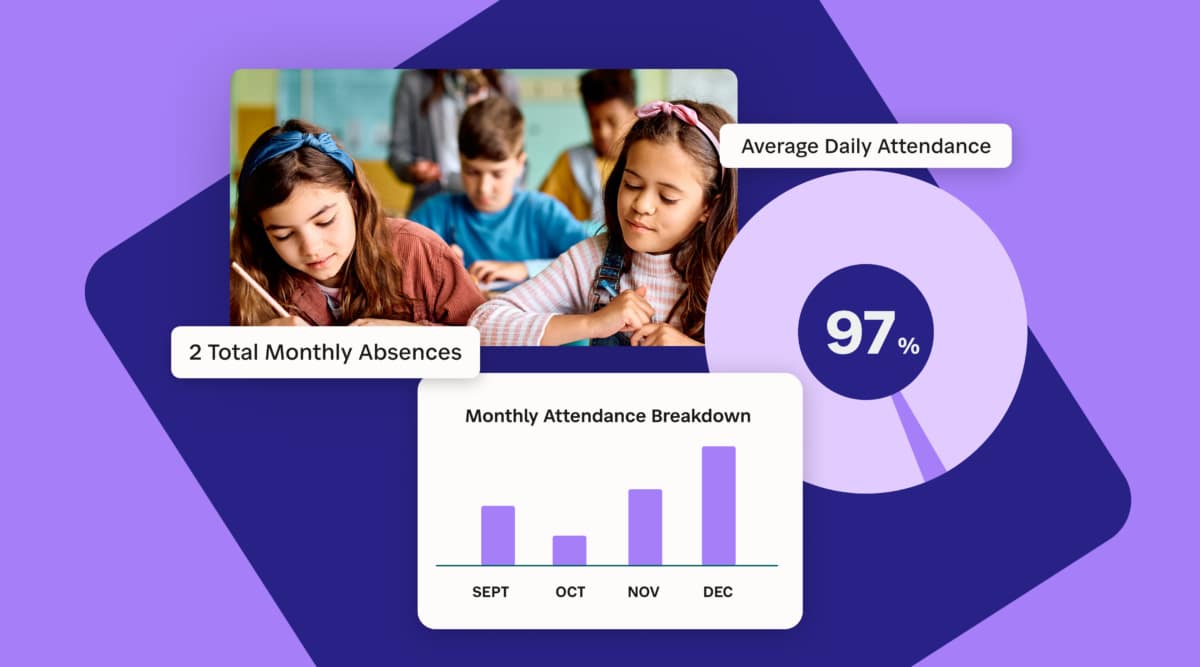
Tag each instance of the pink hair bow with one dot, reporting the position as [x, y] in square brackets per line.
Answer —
[683, 113]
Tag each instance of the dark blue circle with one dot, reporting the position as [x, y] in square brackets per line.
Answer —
[855, 290]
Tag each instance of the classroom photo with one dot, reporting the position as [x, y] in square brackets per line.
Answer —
[542, 207]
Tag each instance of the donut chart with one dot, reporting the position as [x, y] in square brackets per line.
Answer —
[870, 425]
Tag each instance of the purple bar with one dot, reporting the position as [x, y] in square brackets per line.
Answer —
[645, 526]
[570, 550]
[498, 535]
[718, 505]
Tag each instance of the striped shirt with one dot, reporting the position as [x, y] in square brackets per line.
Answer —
[519, 317]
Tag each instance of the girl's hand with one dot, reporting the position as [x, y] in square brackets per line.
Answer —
[490, 270]
[289, 321]
[378, 322]
[457, 250]
[629, 312]
[660, 334]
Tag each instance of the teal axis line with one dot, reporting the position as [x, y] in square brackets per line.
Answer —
[606, 565]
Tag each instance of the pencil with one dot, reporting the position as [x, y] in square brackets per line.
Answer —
[261, 292]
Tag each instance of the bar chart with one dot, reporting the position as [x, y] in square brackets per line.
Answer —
[610, 501]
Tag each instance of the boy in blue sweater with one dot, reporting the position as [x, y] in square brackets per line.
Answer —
[503, 234]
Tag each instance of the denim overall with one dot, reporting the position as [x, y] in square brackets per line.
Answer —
[606, 287]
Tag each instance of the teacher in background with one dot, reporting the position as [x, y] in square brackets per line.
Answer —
[425, 114]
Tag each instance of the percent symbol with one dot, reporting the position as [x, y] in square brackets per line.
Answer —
[908, 345]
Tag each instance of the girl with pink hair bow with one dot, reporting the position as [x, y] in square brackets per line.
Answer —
[670, 213]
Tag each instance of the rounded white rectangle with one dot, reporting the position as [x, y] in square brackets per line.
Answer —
[508, 462]
[867, 145]
[324, 352]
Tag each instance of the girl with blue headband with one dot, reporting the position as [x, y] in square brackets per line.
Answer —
[670, 212]
[309, 228]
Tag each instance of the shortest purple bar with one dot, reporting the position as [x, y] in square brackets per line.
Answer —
[498, 535]
[570, 550]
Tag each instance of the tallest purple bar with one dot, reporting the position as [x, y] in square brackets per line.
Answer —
[718, 506]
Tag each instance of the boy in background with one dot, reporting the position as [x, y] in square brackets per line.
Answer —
[502, 233]
[578, 175]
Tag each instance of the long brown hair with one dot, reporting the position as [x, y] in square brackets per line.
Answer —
[695, 258]
[370, 283]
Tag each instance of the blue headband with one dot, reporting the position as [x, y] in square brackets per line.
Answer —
[286, 142]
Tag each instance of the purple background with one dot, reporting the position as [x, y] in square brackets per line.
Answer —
[120, 557]
[117, 113]
[1096, 216]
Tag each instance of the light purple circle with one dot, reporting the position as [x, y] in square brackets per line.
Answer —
[873, 217]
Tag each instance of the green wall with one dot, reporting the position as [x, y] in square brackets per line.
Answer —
[356, 105]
